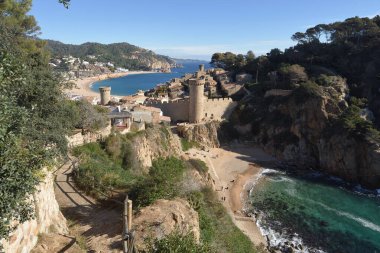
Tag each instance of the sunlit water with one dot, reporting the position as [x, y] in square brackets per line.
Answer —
[130, 84]
[323, 215]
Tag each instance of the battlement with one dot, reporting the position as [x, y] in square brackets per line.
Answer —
[228, 99]
[105, 88]
[180, 101]
[196, 82]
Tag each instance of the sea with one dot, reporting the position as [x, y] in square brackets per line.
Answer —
[315, 213]
[130, 84]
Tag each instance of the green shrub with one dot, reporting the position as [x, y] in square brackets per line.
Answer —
[161, 183]
[97, 173]
[186, 144]
[306, 91]
[199, 165]
[179, 243]
[217, 227]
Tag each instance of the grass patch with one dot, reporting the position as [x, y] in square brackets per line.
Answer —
[186, 144]
[179, 243]
[81, 241]
[199, 165]
[97, 172]
[217, 228]
[162, 182]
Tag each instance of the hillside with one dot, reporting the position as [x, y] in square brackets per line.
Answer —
[123, 55]
[316, 105]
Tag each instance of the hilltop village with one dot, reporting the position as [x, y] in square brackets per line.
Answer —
[194, 98]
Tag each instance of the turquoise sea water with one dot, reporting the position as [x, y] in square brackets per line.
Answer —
[323, 215]
[130, 84]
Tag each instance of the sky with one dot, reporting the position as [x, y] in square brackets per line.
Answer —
[192, 29]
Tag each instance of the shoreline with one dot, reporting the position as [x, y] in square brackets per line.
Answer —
[83, 86]
[234, 173]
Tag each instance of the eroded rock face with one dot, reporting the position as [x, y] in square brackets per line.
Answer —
[155, 142]
[297, 129]
[204, 134]
[164, 217]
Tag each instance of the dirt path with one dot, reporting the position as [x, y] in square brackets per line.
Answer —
[99, 225]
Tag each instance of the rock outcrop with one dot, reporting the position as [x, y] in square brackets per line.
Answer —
[301, 128]
[164, 217]
[204, 134]
[153, 143]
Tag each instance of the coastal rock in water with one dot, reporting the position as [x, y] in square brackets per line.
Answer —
[164, 217]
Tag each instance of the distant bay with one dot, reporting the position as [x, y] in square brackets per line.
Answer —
[130, 84]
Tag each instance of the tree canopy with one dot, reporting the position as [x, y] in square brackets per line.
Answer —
[350, 49]
[34, 115]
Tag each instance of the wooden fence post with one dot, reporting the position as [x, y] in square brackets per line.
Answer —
[129, 215]
[125, 226]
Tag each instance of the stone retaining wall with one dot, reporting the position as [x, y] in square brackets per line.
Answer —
[79, 139]
[48, 217]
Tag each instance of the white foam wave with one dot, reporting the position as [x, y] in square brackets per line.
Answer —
[281, 240]
[360, 220]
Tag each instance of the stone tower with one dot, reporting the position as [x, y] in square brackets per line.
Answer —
[105, 95]
[196, 100]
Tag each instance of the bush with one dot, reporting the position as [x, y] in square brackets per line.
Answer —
[199, 165]
[97, 173]
[306, 91]
[162, 182]
[179, 243]
[217, 228]
[186, 144]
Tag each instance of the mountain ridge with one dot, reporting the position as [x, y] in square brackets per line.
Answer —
[122, 54]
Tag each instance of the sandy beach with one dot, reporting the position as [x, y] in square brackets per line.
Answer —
[234, 170]
[83, 86]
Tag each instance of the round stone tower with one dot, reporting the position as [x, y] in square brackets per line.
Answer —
[105, 95]
[196, 100]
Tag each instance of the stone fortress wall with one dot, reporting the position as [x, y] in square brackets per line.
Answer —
[177, 110]
[213, 109]
[218, 108]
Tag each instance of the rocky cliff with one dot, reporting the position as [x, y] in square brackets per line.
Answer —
[305, 128]
[205, 135]
[164, 217]
[153, 143]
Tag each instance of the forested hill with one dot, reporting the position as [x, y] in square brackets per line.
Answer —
[350, 49]
[123, 55]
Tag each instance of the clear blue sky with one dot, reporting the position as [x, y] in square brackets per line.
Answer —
[192, 28]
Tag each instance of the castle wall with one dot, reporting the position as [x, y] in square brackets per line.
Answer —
[176, 110]
[218, 108]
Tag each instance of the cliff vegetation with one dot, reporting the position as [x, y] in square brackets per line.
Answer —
[316, 104]
[108, 168]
